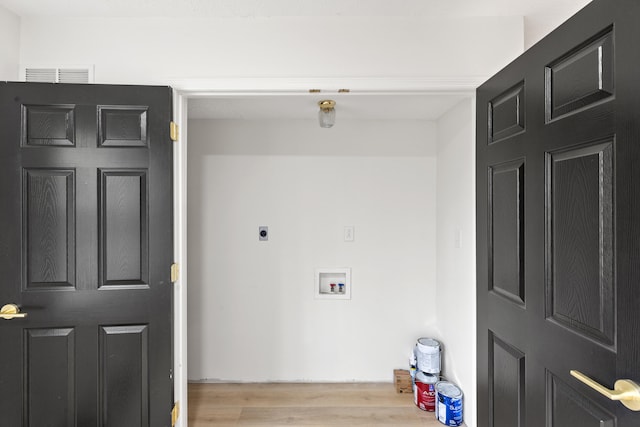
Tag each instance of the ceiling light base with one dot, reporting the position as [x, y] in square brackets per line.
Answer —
[327, 113]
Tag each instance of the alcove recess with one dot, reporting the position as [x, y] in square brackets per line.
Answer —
[326, 276]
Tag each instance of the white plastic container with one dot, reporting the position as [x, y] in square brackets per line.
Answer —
[412, 369]
[428, 355]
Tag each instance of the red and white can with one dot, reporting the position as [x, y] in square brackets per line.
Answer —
[424, 392]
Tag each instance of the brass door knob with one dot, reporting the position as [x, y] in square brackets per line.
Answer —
[626, 391]
[11, 311]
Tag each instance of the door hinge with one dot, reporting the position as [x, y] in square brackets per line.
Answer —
[175, 413]
[175, 272]
[173, 131]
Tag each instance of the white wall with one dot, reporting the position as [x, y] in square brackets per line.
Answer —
[537, 27]
[252, 312]
[161, 51]
[9, 44]
[456, 271]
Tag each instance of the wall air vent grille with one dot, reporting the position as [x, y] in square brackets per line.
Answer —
[58, 75]
[73, 75]
[47, 75]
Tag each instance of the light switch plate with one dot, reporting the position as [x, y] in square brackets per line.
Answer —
[348, 233]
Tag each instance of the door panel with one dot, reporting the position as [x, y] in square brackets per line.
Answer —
[122, 126]
[580, 77]
[566, 407]
[48, 125]
[86, 220]
[506, 390]
[124, 228]
[558, 193]
[580, 288]
[50, 376]
[49, 228]
[506, 223]
[507, 114]
[124, 370]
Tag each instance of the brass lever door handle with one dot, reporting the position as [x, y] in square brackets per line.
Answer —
[11, 311]
[626, 391]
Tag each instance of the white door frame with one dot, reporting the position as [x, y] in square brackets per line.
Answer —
[180, 257]
[207, 88]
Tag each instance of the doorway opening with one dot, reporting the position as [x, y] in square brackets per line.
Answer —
[397, 168]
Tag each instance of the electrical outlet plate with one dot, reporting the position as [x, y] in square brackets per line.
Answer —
[263, 233]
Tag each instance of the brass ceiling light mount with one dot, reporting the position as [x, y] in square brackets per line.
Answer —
[327, 104]
[327, 113]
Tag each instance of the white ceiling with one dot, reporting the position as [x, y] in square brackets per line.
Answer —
[267, 8]
[304, 106]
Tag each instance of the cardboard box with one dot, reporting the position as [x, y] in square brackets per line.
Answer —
[402, 381]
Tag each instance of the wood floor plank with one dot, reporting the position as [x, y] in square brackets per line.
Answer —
[201, 414]
[329, 416]
[299, 394]
[304, 404]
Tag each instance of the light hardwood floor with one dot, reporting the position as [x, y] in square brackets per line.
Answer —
[297, 404]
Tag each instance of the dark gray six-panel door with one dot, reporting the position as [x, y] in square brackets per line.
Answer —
[558, 196]
[85, 251]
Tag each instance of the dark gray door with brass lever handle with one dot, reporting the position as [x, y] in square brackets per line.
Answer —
[11, 311]
[85, 253]
[626, 392]
[558, 227]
